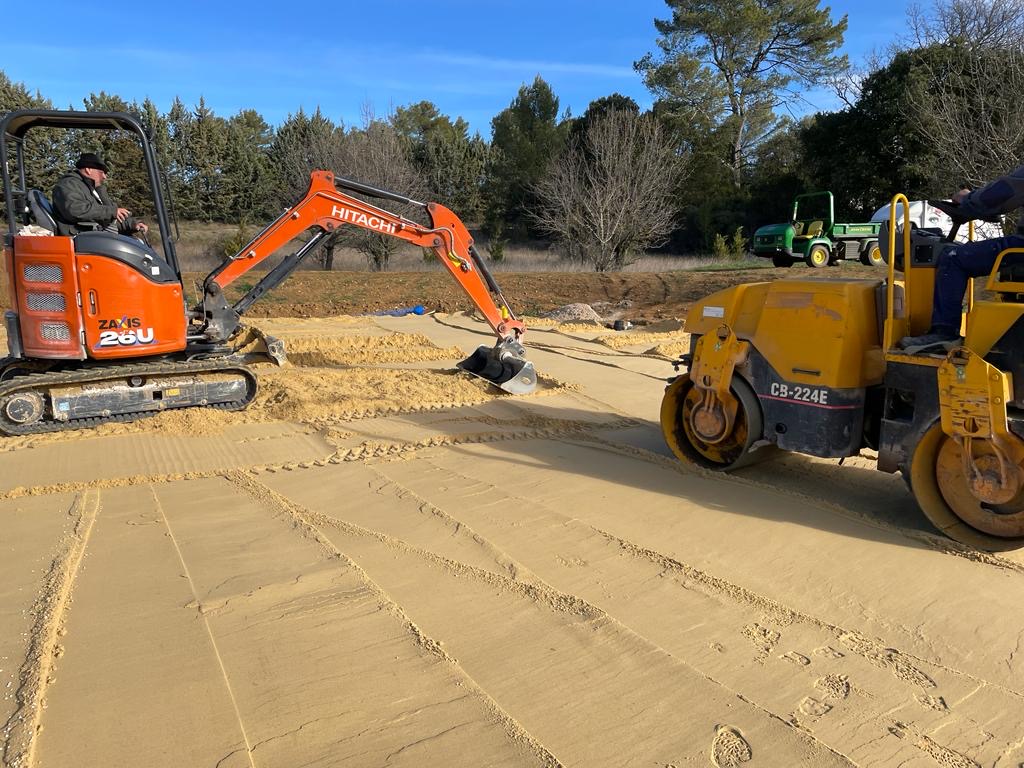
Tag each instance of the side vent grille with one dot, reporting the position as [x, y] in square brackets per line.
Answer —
[46, 302]
[55, 331]
[44, 273]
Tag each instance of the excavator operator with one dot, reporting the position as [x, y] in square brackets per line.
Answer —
[963, 261]
[81, 201]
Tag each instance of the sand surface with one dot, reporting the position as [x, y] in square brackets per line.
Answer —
[384, 562]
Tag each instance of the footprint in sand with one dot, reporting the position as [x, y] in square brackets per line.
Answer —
[729, 749]
[834, 686]
[828, 652]
[764, 639]
[812, 707]
[932, 702]
[944, 756]
[796, 658]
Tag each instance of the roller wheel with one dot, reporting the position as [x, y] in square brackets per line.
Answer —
[782, 261]
[817, 257]
[872, 256]
[678, 411]
[939, 484]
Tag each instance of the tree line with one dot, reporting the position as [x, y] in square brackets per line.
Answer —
[718, 153]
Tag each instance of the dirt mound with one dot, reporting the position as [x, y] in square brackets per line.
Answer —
[366, 350]
[331, 376]
[573, 313]
[634, 338]
[318, 395]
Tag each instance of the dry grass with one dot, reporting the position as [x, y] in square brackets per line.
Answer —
[200, 250]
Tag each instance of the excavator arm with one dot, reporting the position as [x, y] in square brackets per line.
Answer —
[325, 208]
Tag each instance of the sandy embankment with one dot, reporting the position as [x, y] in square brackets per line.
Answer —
[384, 562]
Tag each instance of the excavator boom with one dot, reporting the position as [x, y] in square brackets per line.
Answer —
[325, 208]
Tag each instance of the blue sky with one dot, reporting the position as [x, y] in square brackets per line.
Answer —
[469, 57]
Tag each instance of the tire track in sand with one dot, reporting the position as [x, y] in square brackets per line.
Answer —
[904, 667]
[518, 581]
[934, 541]
[206, 625]
[528, 429]
[900, 664]
[44, 648]
[308, 522]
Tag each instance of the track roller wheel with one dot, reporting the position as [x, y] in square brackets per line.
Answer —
[942, 489]
[686, 424]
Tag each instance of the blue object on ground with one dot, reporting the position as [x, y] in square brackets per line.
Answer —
[419, 309]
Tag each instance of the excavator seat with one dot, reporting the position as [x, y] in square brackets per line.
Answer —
[41, 210]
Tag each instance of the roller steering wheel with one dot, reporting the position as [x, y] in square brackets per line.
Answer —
[956, 213]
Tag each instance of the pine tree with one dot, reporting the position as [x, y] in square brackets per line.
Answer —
[725, 65]
[450, 161]
[526, 137]
[178, 168]
[249, 183]
[207, 146]
[45, 151]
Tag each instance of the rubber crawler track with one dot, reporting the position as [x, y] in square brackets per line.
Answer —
[91, 374]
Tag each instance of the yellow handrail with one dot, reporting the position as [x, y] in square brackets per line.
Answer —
[890, 294]
[995, 284]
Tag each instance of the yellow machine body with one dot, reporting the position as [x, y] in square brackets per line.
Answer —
[814, 366]
[816, 332]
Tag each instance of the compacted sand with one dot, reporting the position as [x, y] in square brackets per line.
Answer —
[384, 562]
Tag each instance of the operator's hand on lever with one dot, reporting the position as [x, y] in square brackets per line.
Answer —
[122, 214]
[142, 227]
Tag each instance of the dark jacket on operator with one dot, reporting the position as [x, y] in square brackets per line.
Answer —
[77, 199]
[1000, 196]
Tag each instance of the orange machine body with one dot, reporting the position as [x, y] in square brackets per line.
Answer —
[80, 305]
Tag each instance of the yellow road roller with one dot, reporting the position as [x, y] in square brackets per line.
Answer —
[812, 365]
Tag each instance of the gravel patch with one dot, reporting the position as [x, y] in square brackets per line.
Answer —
[573, 313]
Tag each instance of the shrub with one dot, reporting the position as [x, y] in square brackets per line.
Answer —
[720, 248]
[737, 245]
[231, 244]
[733, 248]
[496, 248]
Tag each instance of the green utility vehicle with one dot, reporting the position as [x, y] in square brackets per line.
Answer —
[815, 236]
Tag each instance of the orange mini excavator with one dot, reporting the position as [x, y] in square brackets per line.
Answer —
[99, 329]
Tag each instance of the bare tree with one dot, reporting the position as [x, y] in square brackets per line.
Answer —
[975, 116]
[967, 25]
[609, 195]
[380, 156]
[971, 109]
[972, 24]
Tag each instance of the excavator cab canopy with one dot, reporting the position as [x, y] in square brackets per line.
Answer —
[22, 201]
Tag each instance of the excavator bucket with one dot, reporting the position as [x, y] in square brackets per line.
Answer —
[254, 346]
[504, 366]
